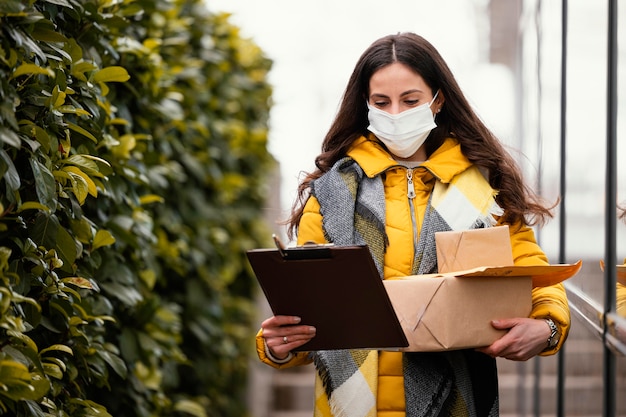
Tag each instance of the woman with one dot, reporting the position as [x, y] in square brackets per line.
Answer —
[406, 157]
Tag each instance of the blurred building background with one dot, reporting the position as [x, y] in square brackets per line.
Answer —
[549, 78]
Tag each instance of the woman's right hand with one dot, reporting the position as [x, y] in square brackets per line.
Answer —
[282, 334]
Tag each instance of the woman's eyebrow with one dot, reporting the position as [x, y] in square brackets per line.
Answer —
[415, 90]
[406, 93]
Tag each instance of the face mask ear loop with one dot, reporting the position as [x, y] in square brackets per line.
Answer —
[431, 103]
[434, 98]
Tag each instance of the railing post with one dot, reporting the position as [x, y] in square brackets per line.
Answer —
[560, 388]
[610, 258]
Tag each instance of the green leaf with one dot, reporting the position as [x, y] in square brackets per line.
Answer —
[25, 41]
[190, 407]
[111, 74]
[31, 69]
[66, 247]
[80, 187]
[103, 238]
[57, 347]
[68, 109]
[11, 7]
[115, 362]
[12, 369]
[45, 184]
[57, 98]
[82, 131]
[79, 282]
[9, 137]
[32, 205]
[8, 171]
[81, 184]
[150, 198]
[77, 160]
[47, 231]
[47, 35]
[25, 340]
[89, 408]
[5, 300]
[19, 383]
[63, 3]
[62, 306]
[31, 130]
[58, 362]
[82, 229]
[53, 370]
[7, 113]
[19, 298]
[87, 163]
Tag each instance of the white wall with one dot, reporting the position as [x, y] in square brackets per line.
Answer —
[315, 43]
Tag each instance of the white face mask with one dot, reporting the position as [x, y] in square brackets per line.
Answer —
[405, 132]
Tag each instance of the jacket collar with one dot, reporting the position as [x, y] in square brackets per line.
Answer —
[445, 163]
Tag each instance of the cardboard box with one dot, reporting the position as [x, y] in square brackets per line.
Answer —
[454, 310]
[476, 283]
[467, 249]
[442, 313]
[621, 272]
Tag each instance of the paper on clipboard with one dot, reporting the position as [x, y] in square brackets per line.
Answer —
[337, 289]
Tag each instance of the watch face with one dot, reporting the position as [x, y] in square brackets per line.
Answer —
[553, 340]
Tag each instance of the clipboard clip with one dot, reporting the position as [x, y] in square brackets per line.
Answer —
[279, 245]
[309, 250]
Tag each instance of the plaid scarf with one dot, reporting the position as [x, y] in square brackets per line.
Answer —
[455, 383]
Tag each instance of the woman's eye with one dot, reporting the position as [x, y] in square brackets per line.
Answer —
[411, 102]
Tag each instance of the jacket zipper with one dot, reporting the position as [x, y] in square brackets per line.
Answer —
[411, 196]
[410, 186]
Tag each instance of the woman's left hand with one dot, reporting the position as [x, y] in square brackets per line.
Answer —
[525, 339]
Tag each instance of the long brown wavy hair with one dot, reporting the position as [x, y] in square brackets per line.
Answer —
[456, 119]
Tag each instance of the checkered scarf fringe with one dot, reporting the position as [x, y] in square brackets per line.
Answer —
[436, 384]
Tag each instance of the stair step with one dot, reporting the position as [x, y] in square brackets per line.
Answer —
[293, 390]
[581, 356]
[583, 394]
[298, 379]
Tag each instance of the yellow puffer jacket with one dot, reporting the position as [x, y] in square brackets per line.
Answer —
[402, 228]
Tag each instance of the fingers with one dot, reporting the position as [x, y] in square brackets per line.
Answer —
[504, 324]
[524, 339]
[275, 321]
[282, 334]
[291, 341]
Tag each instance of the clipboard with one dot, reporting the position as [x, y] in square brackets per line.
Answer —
[337, 289]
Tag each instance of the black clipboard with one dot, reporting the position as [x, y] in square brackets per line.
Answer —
[337, 289]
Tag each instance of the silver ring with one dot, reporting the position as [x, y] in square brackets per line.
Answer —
[285, 339]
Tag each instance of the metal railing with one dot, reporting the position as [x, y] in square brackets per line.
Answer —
[601, 320]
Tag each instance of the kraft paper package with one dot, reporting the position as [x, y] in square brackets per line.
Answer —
[476, 283]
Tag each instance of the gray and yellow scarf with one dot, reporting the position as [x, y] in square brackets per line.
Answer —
[455, 383]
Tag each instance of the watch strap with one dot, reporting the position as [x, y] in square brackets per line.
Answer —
[553, 339]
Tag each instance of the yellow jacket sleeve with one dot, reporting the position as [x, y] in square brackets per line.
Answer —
[547, 301]
[298, 358]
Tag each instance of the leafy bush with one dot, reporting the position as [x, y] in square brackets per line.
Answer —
[133, 170]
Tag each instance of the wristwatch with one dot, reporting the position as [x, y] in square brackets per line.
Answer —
[555, 334]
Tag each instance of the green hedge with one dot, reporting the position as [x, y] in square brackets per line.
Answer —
[133, 168]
